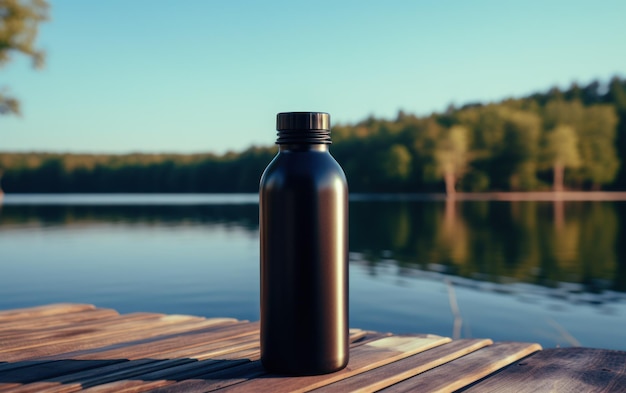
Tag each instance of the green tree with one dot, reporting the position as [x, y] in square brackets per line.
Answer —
[19, 25]
[451, 156]
[421, 135]
[504, 146]
[521, 139]
[561, 150]
[617, 97]
[561, 112]
[597, 140]
[396, 162]
[510, 146]
[595, 127]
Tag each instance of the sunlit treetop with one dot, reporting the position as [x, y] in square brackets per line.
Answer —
[19, 25]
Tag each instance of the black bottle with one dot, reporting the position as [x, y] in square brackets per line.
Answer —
[303, 216]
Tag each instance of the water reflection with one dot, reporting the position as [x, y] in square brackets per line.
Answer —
[241, 215]
[543, 243]
[526, 271]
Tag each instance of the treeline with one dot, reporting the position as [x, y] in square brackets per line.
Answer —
[134, 173]
[571, 139]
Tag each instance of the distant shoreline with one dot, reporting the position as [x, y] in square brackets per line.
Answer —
[252, 198]
[502, 196]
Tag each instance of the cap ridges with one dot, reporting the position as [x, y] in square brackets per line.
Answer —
[303, 121]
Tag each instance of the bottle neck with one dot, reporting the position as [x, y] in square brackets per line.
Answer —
[303, 137]
[319, 147]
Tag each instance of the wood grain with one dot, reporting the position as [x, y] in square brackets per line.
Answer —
[465, 370]
[160, 347]
[221, 371]
[25, 326]
[106, 335]
[73, 370]
[363, 358]
[234, 363]
[139, 375]
[216, 380]
[26, 338]
[561, 370]
[77, 347]
[400, 370]
[41, 311]
[111, 327]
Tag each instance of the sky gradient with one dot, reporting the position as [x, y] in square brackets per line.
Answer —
[197, 76]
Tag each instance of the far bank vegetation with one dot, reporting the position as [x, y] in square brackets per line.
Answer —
[556, 140]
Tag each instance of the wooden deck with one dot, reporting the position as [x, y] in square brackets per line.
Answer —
[74, 347]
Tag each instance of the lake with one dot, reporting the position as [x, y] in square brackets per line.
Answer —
[548, 272]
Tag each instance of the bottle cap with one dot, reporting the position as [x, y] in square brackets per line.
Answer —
[303, 128]
[303, 121]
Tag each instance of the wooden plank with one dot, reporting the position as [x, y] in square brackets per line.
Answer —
[464, 371]
[165, 377]
[241, 358]
[214, 381]
[130, 374]
[73, 333]
[68, 367]
[561, 370]
[188, 344]
[9, 387]
[88, 373]
[41, 311]
[137, 373]
[34, 371]
[67, 364]
[369, 337]
[68, 347]
[169, 376]
[362, 358]
[197, 348]
[217, 380]
[122, 318]
[24, 326]
[160, 346]
[208, 361]
[43, 387]
[356, 334]
[21, 337]
[202, 367]
[102, 329]
[137, 330]
[400, 370]
[81, 380]
[28, 378]
[212, 349]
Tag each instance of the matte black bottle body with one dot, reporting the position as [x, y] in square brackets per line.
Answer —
[304, 269]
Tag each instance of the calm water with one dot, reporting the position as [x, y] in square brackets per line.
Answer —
[553, 273]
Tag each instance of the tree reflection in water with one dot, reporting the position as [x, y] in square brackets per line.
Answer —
[544, 243]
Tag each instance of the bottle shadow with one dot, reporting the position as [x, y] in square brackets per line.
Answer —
[88, 373]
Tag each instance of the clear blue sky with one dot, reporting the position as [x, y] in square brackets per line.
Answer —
[202, 75]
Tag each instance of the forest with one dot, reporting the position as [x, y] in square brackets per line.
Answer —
[560, 139]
